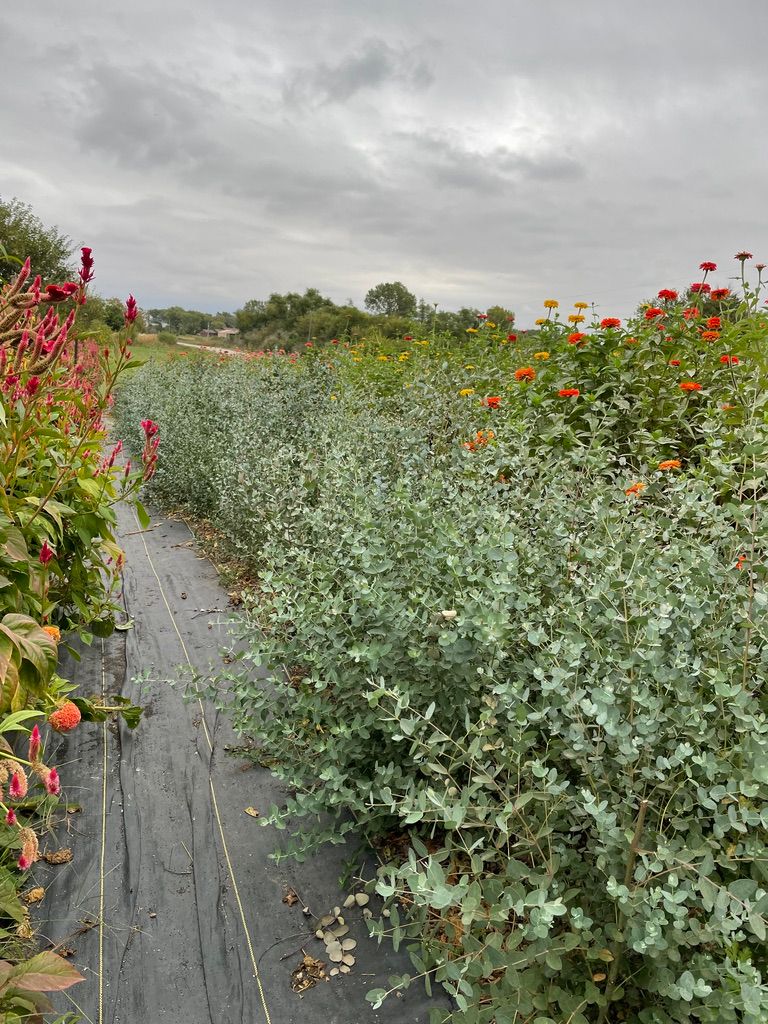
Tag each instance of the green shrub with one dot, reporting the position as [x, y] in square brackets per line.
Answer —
[511, 633]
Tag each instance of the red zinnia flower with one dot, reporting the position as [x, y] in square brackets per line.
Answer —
[610, 321]
[653, 312]
[707, 267]
[714, 323]
[742, 256]
[511, 337]
[729, 360]
[691, 313]
[701, 286]
[674, 362]
[407, 337]
[493, 402]
[720, 293]
[760, 266]
[668, 294]
[482, 316]
[690, 385]
[576, 338]
[568, 392]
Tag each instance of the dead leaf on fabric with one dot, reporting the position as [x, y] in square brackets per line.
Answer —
[307, 974]
[33, 895]
[290, 897]
[253, 812]
[63, 856]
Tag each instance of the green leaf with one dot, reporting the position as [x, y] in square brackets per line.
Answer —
[45, 972]
[142, 515]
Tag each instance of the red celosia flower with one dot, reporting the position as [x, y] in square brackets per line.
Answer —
[729, 360]
[701, 286]
[710, 335]
[86, 265]
[46, 553]
[668, 294]
[18, 786]
[51, 781]
[58, 292]
[714, 323]
[10, 818]
[65, 717]
[720, 293]
[610, 321]
[131, 310]
[742, 256]
[576, 338]
[35, 743]
[674, 362]
[493, 402]
[690, 385]
[511, 337]
[32, 385]
[653, 312]
[525, 373]
[707, 267]
[149, 427]
[23, 863]
[568, 392]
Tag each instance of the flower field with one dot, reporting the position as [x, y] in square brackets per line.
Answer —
[59, 567]
[513, 593]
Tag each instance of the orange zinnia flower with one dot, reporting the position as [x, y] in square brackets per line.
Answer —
[525, 373]
[53, 631]
[493, 402]
[690, 385]
[729, 360]
[568, 392]
[635, 489]
[670, 464]
[576, 338]
[710, 335]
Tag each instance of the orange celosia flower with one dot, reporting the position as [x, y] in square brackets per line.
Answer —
[670, 464]
[635, 489]
[525, 373]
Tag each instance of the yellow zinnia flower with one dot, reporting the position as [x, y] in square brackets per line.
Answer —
[551, 304]
[541, 355]
[471, 330]
[574, 318]
[580, 305]
[541, 320]
[466, 392]
[469, 366]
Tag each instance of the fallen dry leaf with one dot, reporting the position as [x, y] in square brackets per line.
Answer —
[253, 812]
[289, 896]
[307, 974]
[33, 895]
[63, 856]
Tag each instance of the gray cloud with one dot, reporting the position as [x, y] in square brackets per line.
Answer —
[503, 151]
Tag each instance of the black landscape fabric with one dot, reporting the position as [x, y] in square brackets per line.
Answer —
[194, 927]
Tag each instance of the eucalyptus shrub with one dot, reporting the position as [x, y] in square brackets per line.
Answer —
[539, 654]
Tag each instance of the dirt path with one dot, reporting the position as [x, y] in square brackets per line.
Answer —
[212, 348]
[171, 906]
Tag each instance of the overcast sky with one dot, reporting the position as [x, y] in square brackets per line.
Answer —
[497, 151]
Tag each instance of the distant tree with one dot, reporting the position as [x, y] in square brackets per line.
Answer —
[392, 299]
[23, 234]
[500, 316]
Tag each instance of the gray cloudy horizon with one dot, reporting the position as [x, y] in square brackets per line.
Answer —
[500, 152]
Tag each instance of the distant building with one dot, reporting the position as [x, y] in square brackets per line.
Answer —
[227, 332]
[207, 333]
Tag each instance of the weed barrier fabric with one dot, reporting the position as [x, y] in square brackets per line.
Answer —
[194, 927]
